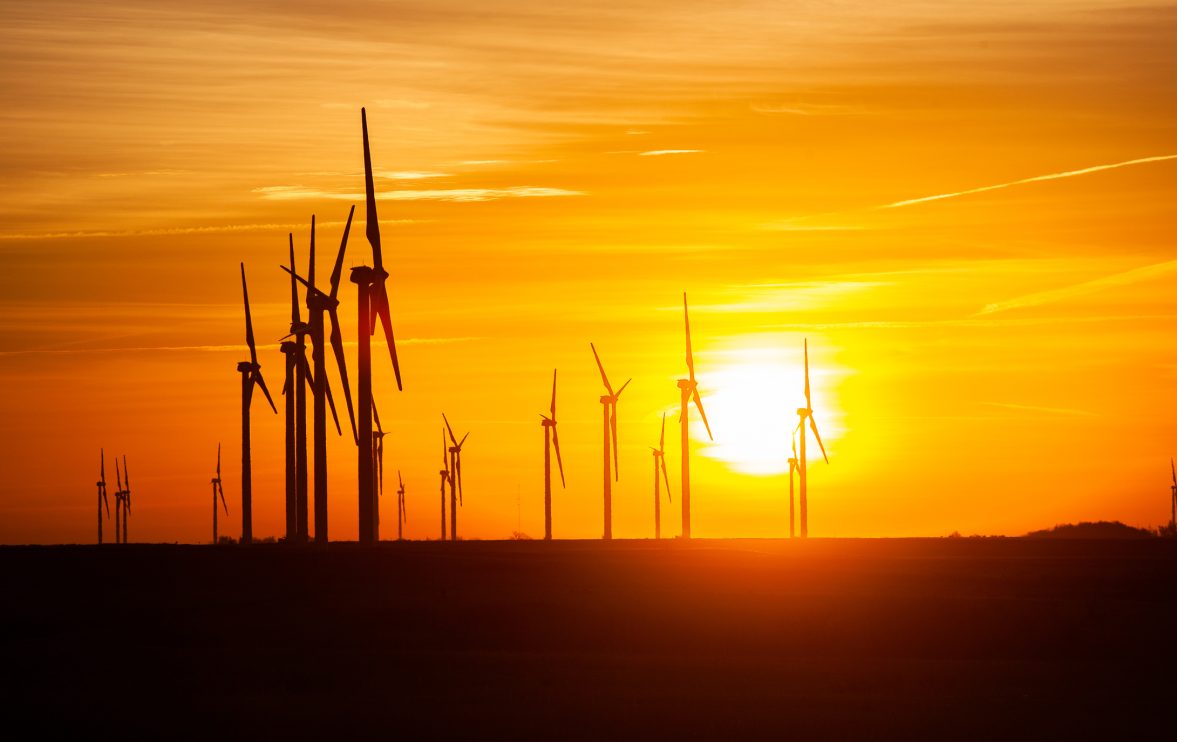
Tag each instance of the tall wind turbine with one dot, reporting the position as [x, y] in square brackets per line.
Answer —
[688, 391]
[119, 496]
[251, 373]
[126, 495]
[660, 463]
[550, 437]
[455, 452]
[320, 304]
[402, 515]
[372, 305]
[218, 489]
[806, 414]
[792, 469]
[445, 480]
[294, 389]
[102, 491]
[1173, 501]
[609, 411]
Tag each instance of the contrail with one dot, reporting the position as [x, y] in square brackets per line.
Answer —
[1035, 179]
[1117, 279]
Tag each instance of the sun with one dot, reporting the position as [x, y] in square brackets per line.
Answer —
[751, 401]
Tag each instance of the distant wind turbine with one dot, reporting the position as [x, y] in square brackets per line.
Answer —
[119, 500]
[102, 491]
[660, 463]
[1173, 500]
[126, 488]
[689, 391]
[445, 480]
[218, 490]
[402, 515]
[455, 452]
[550, 437]
[321, 305]
[792, 469]
[609, 411]
[251, 373]
[377, 471]
[806, 415]
[372, 306]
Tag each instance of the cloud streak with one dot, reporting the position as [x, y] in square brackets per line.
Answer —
[1135, 275]
[1023, 181]
[458, 195]
[661, 152]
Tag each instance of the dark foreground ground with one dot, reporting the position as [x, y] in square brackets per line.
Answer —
[903, 639]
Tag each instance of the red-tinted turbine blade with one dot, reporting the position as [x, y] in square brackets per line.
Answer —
[451, 431]
[337, 271]
[1174, 468]
[808, 404]
[373, 225]
[218, 461]
[458, 474]
[126, 474]
[817, 435]
[310, 262]
[445, 462]
[687, 324]
[376, 415]
[622, 389]
[380, 460]
[298, 278]
[337, 346]
[118, 477]
[604, 378]
[553, 395]
[463, 440]
[613, 429]
[702, 414]
[102, 464]
[559, 461]
[662, 438]
[257, 377]
[248, 319]
[221, 490]
[665, 478]
[331, 403]
[380, 299]
[294, 314]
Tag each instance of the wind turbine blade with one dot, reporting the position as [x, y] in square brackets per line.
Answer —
[331, 403]
[622, 389]
[808, 404]
[795, 442]
[400, 479]
[662, 438]
[451, 432]
[445, 462]
[221, 490]
[337, 272]
[687, 325]
[463, 440]
[1174, 468]
[817, 435]
[294, 314]
[118, 477]
[458, 474]
[306, 372]
[665, 478]
[385, 314]
[337, 346]
[218, 461]
[553, 408]
[376, 415]
[102, 464]
[126, 474]
[380, 459]
[613, 429]
[373, 225]
[702, 414]
[559, 461]
[298, 278]
[257, 377]
[248, 319]
[604, 378]
[311, 262]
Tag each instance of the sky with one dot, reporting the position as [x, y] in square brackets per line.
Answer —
[967, 210]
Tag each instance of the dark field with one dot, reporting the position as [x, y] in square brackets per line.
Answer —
[944, 638]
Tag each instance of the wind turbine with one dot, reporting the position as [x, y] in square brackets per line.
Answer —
[318, 304]
[609, 410]
[251, 373]
[126, 495]
[660, 463]
[372, 305]
[377, 471]
[550, 437]
[806, 413]
[445, 479]
[1173, 501]
[689, 390]
[102, 492]
[402, 515]
[455, 452]
[119, 497]
[218, 489]
[792, 468]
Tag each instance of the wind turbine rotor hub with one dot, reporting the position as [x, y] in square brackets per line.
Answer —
[687, 384]
[244, 366]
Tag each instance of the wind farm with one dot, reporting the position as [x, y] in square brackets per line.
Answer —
[888, 288]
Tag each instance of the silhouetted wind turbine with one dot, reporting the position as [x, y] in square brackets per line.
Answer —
[455, 452]
[609, 410]
[689, 390]
[372, 305]
[102, 491]
[318, 304]
[660, 463]
[445, 479]
[251, 373]
[1173, 501]
[550, 437]
[402, 515]
[377, 471]
[218, 489]
[126, 496]
[806, 413]
[792, 468]
[119, 498]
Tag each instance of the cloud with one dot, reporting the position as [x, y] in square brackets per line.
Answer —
[806, 109]
[1135, 275]
[411, 175]
[239, 347]
[1069, 411]
[461, 195]
[660, 152]
[165, 231]
[1023, 181]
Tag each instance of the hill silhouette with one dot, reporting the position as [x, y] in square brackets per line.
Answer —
[1100, 529]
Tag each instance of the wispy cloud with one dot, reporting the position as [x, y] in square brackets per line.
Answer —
[165, 231]
[1023, 181]
[806, 109]
[1135, 275]
[660, 152]
[411, 175]
[1069, 411]
[299, 193]
[211, 348]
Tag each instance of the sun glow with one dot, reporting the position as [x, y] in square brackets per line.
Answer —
[752, 408]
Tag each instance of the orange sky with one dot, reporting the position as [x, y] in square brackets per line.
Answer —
[554, 174]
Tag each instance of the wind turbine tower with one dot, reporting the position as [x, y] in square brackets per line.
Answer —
[805, 414]
[251, 373]
[688, 391]
[455, 452]
[609, 412]
[102, 491]
[550, 437]
[660, 464]
[218, 490]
